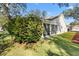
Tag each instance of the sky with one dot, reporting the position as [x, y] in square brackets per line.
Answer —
[51, 9]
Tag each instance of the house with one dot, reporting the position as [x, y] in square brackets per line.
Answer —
[75, 28]
[54, 25]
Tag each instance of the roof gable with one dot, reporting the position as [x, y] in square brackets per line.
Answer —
[52, 17]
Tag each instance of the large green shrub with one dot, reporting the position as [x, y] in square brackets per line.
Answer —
[25, 28]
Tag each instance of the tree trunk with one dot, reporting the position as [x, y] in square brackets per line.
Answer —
[6, 10]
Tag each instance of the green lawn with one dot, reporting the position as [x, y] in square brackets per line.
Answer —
[59, 45]
[68, 35]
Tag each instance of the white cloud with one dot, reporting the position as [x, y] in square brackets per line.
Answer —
[36, 3]
[70, 7]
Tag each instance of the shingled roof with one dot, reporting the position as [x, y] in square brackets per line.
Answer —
[52, 17]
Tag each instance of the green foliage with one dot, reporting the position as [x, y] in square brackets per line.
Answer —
[5, 41]
[2, 20]
[34, 27]
[74, 23]
[74, 13]
[25, 28]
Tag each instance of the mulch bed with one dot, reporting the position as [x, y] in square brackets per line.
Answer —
[76, 38]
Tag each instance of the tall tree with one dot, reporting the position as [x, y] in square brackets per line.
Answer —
[12, 9]
[72, 13]
[44, 14]
[67, 4]
[37, 12]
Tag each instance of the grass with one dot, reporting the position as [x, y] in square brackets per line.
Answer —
[69, 47]
[68, 35]
[5, 41]
[41, 48]
[59, 45]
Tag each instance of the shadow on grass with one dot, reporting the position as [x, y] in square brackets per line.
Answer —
[69, 47]
[3, 47]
